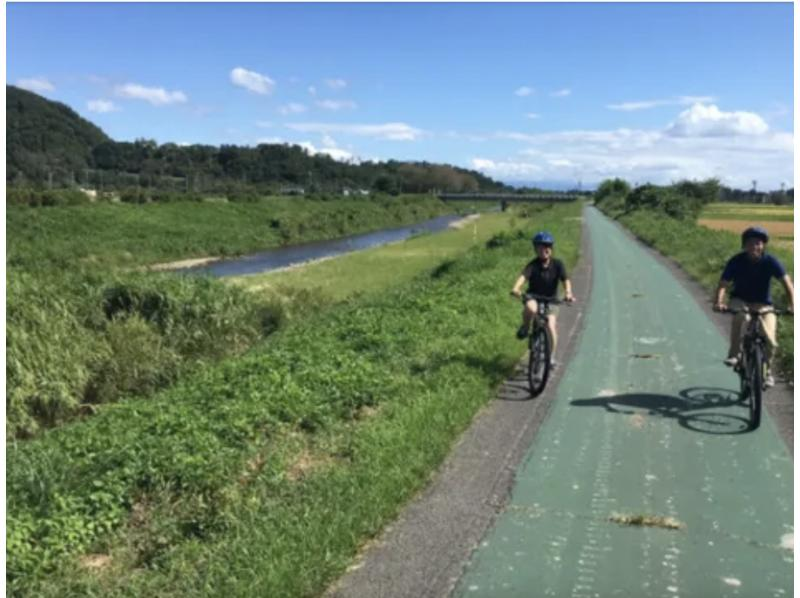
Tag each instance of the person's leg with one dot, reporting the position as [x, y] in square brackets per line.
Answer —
[736, 329]
[527, 316]
[769, 323]
[551, 325]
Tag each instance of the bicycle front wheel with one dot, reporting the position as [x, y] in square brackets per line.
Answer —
[538, 361]
[756, 382]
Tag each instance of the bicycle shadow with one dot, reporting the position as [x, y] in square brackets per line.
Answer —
[688, 408]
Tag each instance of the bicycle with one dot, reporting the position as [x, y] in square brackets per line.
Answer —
[751, 365]
[539, 343]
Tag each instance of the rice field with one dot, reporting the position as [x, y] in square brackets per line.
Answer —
[735, 217]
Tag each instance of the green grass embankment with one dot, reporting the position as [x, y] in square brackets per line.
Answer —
[264, 474]
[124, 235]
[703, 253]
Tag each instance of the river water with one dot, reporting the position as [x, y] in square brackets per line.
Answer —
[283, 257]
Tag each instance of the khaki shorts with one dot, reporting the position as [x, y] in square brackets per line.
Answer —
[554, 308]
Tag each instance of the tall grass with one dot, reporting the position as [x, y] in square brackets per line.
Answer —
[262, 475]
[79, 340]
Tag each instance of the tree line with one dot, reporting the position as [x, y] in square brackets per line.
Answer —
[51, 146]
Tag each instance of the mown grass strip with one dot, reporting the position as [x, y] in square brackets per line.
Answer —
[378, 268]
[199, 490]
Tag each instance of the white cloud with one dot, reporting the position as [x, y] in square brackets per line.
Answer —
[336, 105]
[252, 81]
[292, 108]
[265, 124]
[336, 83]
[37, 84]
[647, 104]
[336, 153]
[739, 149]
[532, 115]
[389, 131]
[312, 90]
[269, 140]
[155, 95]
[328, 141]
[689, 100]
[523, 91]
[101, 106]
[561, 93]
[703, 120]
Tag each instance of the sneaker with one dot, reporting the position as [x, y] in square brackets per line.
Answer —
[522, 332]
[553, 364]
[769, 380]
[731, 362]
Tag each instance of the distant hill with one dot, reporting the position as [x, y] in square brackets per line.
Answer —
[48, 143]
[43, 136]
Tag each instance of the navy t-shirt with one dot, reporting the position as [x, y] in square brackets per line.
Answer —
[751, 279]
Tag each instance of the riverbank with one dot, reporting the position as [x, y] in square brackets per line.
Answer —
[128, 236]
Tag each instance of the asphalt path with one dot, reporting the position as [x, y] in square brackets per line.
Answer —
[643, 421]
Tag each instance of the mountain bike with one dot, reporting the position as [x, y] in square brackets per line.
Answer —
[539, 344]
[752, 365]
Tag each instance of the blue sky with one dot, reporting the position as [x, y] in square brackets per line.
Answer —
[551, 93]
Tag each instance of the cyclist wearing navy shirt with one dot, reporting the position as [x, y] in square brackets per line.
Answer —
[751, 272]
[542, 275]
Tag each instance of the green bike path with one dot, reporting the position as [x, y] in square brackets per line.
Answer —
[646, 422]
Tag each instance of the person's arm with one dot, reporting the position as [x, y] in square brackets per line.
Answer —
[517, 290]
[787, 284]
[724, 283]
[719, 301]
[568, 296]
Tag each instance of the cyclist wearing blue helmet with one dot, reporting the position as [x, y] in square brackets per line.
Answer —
[750, 272]
[542, 275]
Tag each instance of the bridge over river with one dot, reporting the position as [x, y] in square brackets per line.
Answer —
[507, 198]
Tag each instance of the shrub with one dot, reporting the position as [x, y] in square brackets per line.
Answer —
[611, 188]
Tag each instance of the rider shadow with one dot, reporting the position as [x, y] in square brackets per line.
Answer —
[688, 408]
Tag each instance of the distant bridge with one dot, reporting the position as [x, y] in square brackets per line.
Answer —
[510, 197]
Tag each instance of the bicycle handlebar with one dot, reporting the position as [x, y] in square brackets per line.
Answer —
[755, 312]
[552, 300]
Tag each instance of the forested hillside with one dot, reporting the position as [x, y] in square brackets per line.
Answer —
[48, 144]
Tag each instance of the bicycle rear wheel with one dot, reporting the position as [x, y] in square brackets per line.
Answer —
[756, 384]
[538, 361]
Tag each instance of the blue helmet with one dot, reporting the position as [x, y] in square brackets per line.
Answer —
[755, 232]
[543, 238]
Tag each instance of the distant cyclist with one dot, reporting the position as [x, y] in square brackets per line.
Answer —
[542, 275]
[751, 272]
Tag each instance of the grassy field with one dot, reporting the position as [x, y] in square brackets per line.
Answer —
[734, 217]
[263, 475]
